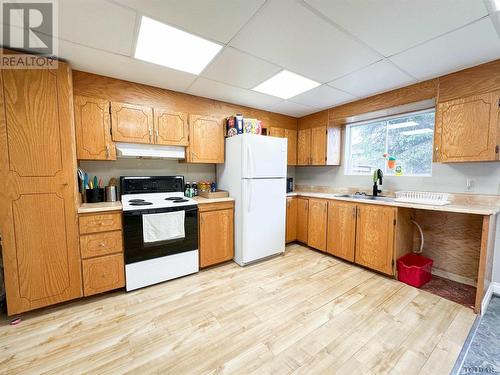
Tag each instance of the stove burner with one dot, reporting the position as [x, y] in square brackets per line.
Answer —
[174, 199]
[180, 200]
[138, 202]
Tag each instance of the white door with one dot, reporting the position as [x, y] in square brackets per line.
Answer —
[263, 156]
[264, 211]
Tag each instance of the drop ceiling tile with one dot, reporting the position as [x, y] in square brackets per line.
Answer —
[289, 108]
[376, 78]
[219, 20]
[290, 35]
[323, 96]
[220, 91]
[239, 69]
[469, 46]
[122, 67]
[97, 24]
[391, 26]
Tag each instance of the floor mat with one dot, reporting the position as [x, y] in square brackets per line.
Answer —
[452, 290]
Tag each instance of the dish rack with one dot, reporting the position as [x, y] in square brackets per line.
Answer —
[422, 197]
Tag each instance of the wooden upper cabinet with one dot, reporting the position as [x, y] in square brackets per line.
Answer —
[291, 136]
[276, 132]
[468, 129]
[317, 223]
[291, 219]
[131, 123]
[170, 128]
[318, 146]
[375, 237]
[38, 218]
[341, 233]
[93, 129]
[302, 219]
[206, 140]
[304, 147]
[216, 242]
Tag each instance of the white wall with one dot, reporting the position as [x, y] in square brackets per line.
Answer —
[445, 178]
[148, 167]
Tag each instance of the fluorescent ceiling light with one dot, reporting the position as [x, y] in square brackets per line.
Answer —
[165, 45]
[400, 125]
[418, 132]
[286, 84]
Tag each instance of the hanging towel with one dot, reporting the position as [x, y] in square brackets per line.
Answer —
[163, 227]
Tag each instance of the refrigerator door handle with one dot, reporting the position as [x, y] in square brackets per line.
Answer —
[249, 162]
[249, 195]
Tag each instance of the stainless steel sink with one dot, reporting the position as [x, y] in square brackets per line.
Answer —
[365, 197]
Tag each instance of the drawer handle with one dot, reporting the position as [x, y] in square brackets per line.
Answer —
[102, 244]
[104, 275]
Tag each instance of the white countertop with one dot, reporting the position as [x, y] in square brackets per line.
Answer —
[202, 200]
[86, 208]
[460, 208]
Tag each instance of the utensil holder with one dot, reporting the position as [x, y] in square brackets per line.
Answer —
[94, 195]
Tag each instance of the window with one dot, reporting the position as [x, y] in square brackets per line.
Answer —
[376, 143]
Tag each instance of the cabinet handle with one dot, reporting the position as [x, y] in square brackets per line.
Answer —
[157, 135]
[102, 244]
[354, 212]
[107, 151]
[150, 131]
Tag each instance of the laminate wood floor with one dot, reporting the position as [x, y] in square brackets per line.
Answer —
[302, 313]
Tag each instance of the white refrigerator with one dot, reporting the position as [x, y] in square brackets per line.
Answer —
[254, 173]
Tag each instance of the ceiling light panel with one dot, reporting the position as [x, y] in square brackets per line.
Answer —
[286, 84]
[165, 45]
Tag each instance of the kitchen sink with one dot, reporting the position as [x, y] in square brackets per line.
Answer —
[367, 197]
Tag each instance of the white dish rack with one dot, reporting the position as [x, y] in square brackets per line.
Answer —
[422, 197]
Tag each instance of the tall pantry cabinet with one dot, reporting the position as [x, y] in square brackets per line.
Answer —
[38, 219]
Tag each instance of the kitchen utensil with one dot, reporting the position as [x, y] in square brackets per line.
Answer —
[111, 193]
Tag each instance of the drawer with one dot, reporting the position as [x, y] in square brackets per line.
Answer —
[103, 274]
[100, 222]
[98, 244]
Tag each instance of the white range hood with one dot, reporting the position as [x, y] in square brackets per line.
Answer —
[135, 150]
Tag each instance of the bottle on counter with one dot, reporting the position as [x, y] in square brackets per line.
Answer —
[191, 190]
[187, 190]
[195, 189]
[213, 187]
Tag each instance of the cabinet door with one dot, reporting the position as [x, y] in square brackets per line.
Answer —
[318, 213]
[38, 218]
[171, 128]
[341, 233]
[302, 219]
[318, 146]
[216, 243]
[291, 219]
[291, 136]
[304, 147]
[467, 129]
[206, 140]
[103, 274]
[131, 123]
[375, 237]
[277, 132]
[93, 129]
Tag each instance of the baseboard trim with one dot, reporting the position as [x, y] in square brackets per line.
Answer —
[486, 299]
[496, 288]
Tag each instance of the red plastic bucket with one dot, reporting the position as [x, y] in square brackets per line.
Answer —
[414, 270]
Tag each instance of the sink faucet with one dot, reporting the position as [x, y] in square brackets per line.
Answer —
[377, 177]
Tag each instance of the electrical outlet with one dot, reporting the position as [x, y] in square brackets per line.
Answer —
[469, 184]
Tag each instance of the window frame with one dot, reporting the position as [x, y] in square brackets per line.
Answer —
[347, 142]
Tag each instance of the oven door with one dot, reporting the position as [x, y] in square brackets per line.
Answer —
[136, 250]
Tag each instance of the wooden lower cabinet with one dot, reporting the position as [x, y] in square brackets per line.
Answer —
[103, 274]
[101, 248]
[317, 223]
[291, 219]
[216, 233]
[341, 232]
[302, 219]
[375, 237]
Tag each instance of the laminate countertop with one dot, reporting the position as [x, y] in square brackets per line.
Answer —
[87, 208]
[460, 208]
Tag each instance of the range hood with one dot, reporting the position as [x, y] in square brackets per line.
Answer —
[135, 150]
